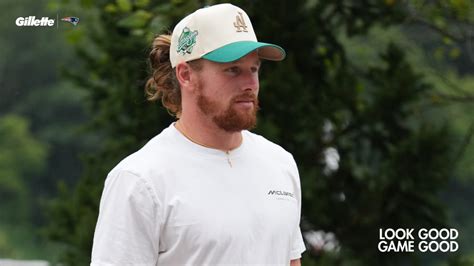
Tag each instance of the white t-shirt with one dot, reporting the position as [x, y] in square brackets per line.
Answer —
[174, 202]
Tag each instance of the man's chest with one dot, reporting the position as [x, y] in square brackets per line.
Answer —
[248, 207]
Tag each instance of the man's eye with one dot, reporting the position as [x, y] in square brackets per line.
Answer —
[233, 70]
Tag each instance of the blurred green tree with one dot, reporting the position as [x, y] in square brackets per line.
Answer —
[21, 156]
[30, 89]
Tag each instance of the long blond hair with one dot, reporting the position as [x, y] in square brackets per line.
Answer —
[163, 83]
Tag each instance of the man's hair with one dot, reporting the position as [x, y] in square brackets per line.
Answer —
[163, 83]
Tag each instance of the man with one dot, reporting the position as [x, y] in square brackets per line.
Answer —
[205, 191]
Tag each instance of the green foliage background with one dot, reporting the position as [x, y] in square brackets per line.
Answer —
[383, 88]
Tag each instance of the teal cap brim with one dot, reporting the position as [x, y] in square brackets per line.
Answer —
[235, 51]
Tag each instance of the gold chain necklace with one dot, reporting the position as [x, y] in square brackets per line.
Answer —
[182, 131]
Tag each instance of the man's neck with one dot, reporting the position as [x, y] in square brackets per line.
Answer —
[208, 134]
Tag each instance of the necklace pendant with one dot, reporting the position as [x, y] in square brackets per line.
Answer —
[228, 158]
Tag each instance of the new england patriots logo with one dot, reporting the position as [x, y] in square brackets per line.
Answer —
[72, 20]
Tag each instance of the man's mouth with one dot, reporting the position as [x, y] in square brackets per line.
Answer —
[245, 99]
[245, 102]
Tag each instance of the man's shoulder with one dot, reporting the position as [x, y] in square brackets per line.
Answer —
[267, 146]
[155, 153]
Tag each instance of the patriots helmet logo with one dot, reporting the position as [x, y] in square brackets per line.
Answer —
[72, 20]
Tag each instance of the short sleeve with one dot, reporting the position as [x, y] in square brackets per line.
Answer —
[128, 227]
[298, 246]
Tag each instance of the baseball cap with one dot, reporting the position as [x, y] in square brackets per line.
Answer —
[219, 33]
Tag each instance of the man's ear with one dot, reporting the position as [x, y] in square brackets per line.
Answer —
[184, 75]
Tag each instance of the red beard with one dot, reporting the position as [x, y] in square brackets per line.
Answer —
[231, 119]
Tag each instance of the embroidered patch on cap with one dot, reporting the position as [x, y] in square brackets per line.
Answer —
[239, 23]
[186, 41]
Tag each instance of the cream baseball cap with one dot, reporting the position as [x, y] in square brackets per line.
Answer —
[220, 33]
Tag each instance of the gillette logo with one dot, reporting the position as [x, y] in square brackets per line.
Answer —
[32, 21]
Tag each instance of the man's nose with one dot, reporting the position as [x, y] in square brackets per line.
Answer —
[251, 81]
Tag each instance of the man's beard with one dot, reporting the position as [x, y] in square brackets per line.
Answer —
[231, 119]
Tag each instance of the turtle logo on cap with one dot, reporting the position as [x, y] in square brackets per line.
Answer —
[186, 41]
